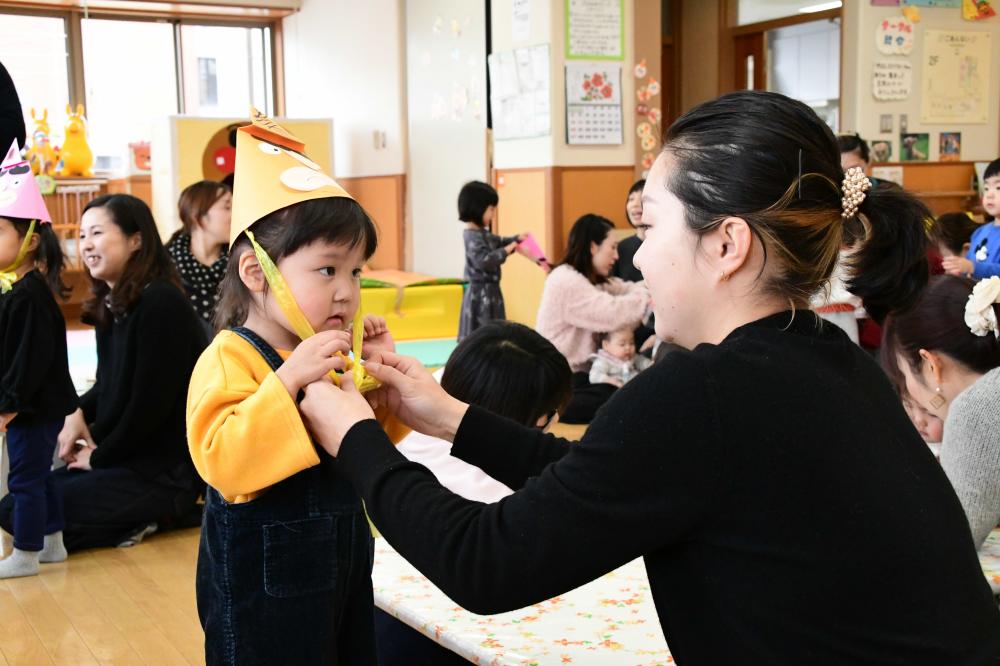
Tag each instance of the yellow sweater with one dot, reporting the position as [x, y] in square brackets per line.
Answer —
[243, 428]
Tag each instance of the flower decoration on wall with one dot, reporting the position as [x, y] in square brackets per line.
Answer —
[649, 116]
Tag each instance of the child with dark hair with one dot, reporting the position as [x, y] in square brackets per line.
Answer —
[485, 252]
[951, 234]
[616, 362]
[947, 353]
[983, 257]
[36, 392]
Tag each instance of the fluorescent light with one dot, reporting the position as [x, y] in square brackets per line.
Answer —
[821, 7]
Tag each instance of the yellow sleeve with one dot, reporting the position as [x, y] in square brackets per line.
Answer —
[244, 430]
[393, 427]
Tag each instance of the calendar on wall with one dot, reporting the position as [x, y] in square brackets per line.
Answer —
[594, 104]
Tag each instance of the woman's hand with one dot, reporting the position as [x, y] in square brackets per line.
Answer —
[412, 395]
[74, 432]
[377, 337]
[312, 359]
[957, 266]
[81, 459]
[329, 412]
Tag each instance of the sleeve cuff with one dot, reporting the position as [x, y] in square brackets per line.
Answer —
[293, 423]
[365, 452]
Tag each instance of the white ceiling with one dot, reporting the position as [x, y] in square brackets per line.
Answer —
[753, 11]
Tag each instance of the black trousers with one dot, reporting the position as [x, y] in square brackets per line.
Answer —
[103, 506]
[587, 398]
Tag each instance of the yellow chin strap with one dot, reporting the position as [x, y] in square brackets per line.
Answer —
[302, 327]
[8, 276]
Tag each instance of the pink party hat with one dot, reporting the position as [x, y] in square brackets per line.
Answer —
[19, 194]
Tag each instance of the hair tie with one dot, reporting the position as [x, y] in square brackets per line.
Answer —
[853, 190]
[980, 316]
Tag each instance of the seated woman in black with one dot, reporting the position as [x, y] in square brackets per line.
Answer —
[127, 462]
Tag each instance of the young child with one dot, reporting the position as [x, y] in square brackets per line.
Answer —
[951, 234]
[36, 392]
[485, 252]
[285, 555]
[616, 361]
[983, 257]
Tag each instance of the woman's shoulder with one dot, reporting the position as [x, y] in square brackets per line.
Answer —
[162, 295]
[566, 274]
[981, 400]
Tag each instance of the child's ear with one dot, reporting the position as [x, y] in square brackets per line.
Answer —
[251, 273]
[34, 242]
[965, 248]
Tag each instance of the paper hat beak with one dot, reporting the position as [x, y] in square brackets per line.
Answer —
[272, 172]
[19, 194]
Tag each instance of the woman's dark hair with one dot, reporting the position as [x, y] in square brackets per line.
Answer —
[473, 200]
[149, 261]
[588, 229]
[510, 370]
[936, 322]
[853, 143]
[636, 187]
[953, 231]
[771, 161]
[49, 258]
[284, 232]
[196, 200]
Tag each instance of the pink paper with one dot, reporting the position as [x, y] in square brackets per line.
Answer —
[19, 194]
[530, 248]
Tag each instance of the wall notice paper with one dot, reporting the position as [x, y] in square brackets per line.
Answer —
[956, 77]
[595, 30]
[893, 174]
[521, 20]
[594, 104]
[894, 36]
[892, 80]
[519, 96]
[934, 3]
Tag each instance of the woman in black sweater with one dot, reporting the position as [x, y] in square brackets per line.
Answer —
[126, 450]
[787, 510]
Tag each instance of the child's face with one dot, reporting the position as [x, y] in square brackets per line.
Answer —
[620, 344]
[10, 243]
[930, 427]
[489, 215]
[991, 197]
[324, 278]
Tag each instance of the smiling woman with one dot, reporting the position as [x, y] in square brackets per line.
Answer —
[763, 513]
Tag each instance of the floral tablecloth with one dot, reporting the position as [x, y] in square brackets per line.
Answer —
[608, 621]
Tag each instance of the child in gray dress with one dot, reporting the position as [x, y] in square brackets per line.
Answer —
[484, 254]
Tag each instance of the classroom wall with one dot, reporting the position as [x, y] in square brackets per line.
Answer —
[699, 52]
[861, 111]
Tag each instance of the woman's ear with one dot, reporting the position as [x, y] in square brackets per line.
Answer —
[729, 245]
[594, 247]
[931, 367]
[251, 273]
[134, 242]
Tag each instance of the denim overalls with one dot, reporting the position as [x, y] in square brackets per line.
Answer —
[286, 578]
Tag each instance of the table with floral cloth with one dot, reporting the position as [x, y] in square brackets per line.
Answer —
[611, 620]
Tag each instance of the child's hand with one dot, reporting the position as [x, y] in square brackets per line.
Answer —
[314, 359]
[957, 266]
[5, 420]
[377, 337]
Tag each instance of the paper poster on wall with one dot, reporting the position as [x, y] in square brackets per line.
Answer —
[521, 20]
[885, 123]
[881, 151]
[894, 36]
[892, 80]
[956, 77]
[933, 3]
[950, 147]
[593, 104]
[519, 93]
[977, 10]
[914, 147]
[885, 3]
[595, 30]
[893, 174]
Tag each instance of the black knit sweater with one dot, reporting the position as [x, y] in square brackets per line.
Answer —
[34, 372]
[787, 510]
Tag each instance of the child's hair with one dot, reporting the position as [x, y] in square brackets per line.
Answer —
[636, 187]
[588, 229]
[936, 322]
[149, 262]
[853, 143]
[284, 232]
[196, 200]
[778, 168]
[953, 231]
[473, 200]
[511, 370]
[992, 169]
[49, 258]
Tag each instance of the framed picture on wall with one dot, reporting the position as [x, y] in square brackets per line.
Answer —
[950, 147]
[914, 147]
[881, 151]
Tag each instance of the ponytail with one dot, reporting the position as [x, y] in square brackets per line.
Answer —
[889, 269]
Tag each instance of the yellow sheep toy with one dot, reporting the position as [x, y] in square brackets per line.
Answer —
[77, 158]
[41, 155]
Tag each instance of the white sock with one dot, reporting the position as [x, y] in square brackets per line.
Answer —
[20, 563]
[6, 544]
[53, 550]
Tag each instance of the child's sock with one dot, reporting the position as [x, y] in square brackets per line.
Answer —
[20, 563]
[6, 544]
[53, 550]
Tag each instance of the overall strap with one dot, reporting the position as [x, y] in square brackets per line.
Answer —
[258, 343]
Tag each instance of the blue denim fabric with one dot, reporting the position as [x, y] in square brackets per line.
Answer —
[37, 504]
[286, 577]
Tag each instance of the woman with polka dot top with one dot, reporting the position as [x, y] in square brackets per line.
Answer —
[199, 248]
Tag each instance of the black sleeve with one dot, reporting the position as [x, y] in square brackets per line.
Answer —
[647, 473]
[11, 114]
[29, 343]
[162, 372]
[525, 452]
